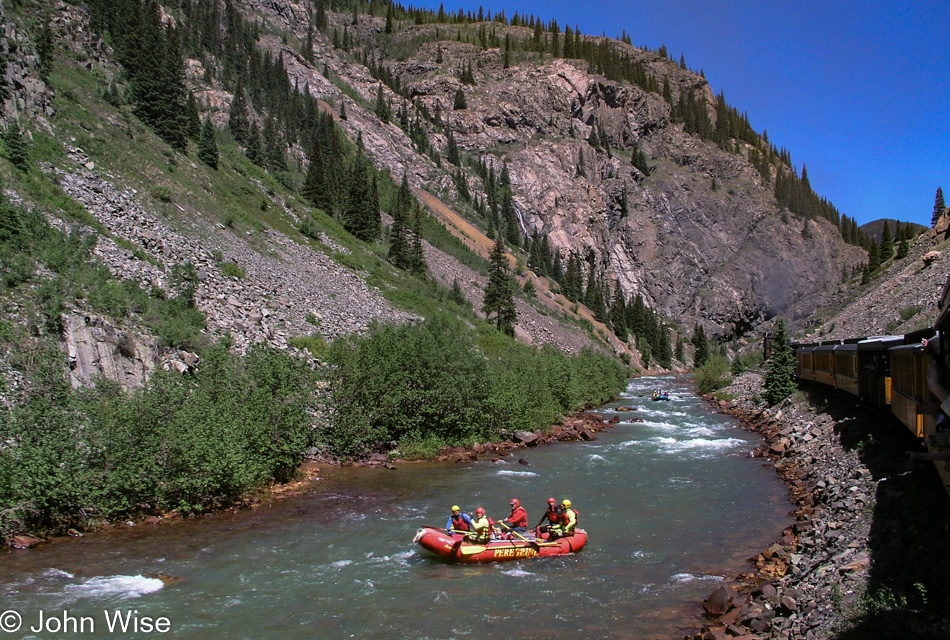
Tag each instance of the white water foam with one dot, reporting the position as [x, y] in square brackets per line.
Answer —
[688, 577]
[657, 424]
[400, 558]
[599, 458]
[519, 572]
[113, 586]
[654, 413]
[57, 573]
[672, 445]
[339, 564]
[525, 474]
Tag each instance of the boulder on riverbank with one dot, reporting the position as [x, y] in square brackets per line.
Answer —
[579, 426]
[23, 542]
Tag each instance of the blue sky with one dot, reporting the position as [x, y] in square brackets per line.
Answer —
[858, 92]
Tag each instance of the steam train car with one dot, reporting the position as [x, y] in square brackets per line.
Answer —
[890, 372]
[846, 367]
[823, 359]
[805, 362]
[909, 363]
[874, 369]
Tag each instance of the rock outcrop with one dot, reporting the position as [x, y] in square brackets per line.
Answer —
[721, 254]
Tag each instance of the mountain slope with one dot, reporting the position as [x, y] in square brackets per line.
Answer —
[722, 255]
[901, 298]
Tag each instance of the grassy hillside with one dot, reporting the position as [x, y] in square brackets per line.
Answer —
[204, 435]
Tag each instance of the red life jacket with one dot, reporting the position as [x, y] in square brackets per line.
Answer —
[565, 519]
[458, 523]
[518, 517]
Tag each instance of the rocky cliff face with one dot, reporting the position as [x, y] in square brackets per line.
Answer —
[722, 255]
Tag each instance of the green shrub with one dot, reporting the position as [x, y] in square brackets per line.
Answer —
[909, 312]
[162, 193]
[231, 270]
[187, 443]
[713, 375]
[433, 383]
[780, 376]
[314, 344]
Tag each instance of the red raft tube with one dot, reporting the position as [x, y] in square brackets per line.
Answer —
[456, 549]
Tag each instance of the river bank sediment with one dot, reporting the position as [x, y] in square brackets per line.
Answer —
[866, 527]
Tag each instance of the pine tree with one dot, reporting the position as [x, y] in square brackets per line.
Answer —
[939, 206]
[528, 288]
[238, 120]
[736, 367]
[155, 65]
[510, 218]
[874, 257]
[208, 145]
[399, 242]
[639, 160]
[383, 111]
[572, 279]
[361, 212]
[701, 344]
[499, 294]
[780, 373]
[320, 19]
[274, 159]
[193, 118]
[308, 44]
[15, 147]
[460, 102]
[417, 258]
[456, 295]
[255, 149]
[887, 243]
[646, 353]
[903, 246]
[451, 148]
[45, 48]
[618, 315]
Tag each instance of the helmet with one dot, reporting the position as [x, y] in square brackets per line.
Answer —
[455, 507]
[515, 503]
[567, 503]
[479, 512]
[552, 501]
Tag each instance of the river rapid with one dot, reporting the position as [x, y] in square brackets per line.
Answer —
[671, 505]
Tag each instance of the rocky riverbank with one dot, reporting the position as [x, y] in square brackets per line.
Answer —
[857, 555]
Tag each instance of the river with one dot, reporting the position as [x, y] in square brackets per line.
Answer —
[671, 505]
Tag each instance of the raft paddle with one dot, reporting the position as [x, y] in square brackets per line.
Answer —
[534, 542]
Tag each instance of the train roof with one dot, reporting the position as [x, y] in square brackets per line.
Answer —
[872, 343]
